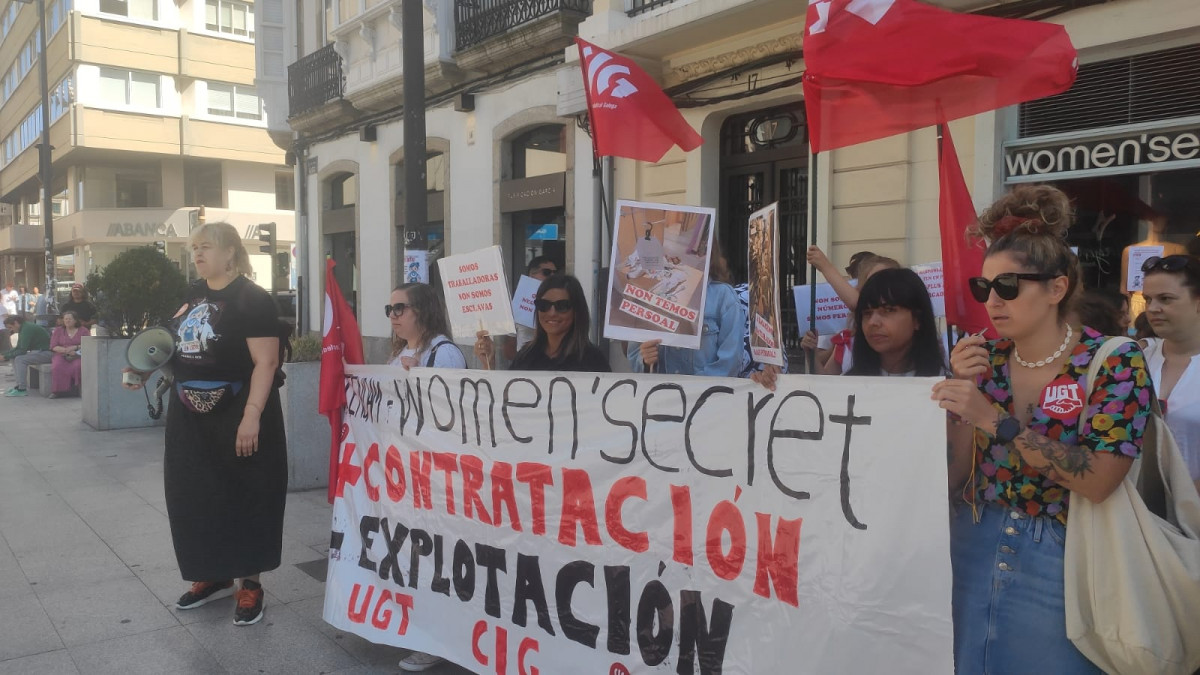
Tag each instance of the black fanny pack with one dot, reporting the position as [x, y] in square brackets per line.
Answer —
[206, 396]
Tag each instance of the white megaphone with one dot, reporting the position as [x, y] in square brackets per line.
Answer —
[148, 351]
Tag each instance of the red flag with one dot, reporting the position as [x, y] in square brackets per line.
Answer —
[342, 343]
[877, 68]
[961, 259]
[630, 115]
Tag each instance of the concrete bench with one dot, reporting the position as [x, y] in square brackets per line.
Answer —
[40, 378]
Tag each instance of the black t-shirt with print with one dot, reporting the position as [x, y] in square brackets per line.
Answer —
[85, 310]
[212, 331]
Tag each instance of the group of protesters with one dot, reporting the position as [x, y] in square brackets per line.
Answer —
[33, 336]
[1015, 465]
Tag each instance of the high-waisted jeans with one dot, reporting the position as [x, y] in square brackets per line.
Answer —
[1009, 615]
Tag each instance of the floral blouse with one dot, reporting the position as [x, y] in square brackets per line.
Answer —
[1113, 421]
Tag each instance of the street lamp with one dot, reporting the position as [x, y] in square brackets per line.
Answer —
[44, 160]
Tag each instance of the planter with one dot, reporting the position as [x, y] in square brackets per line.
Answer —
[308, 434]
[106, 404]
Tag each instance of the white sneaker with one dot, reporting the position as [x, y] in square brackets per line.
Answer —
[417, 662]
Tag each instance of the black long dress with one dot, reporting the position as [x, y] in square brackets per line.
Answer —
[226, 512]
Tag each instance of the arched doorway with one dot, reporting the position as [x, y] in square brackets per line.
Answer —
[764, 159]
[339, 228]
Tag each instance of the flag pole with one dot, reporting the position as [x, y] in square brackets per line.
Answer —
[941, 130]
[811, 356]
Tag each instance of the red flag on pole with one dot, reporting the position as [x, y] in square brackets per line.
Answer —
[631, 116]
[342, 343]
[961, 259]
[876, 68]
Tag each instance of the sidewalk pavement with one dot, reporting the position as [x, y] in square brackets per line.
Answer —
[88, 579]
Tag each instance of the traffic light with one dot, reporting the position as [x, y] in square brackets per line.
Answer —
[161, 247]
[266, 234]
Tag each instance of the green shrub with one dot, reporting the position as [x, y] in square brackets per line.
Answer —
[140, 288]
[307, 347]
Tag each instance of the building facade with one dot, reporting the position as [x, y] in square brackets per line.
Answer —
[153, 115]
[509, 152]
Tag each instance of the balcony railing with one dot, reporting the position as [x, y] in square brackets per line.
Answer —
[314, 80]
[639, 6]
[478, 20]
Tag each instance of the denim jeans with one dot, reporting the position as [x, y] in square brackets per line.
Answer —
[1008, 608]
[21, 365]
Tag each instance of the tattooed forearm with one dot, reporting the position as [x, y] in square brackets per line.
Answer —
[1052, 458]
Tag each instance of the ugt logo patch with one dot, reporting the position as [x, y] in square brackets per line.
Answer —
[1062, 399]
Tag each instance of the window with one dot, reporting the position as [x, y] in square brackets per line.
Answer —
[58, 12]
[202, 184]
[122, 187]
[539, 152]
[60, 98]
[146, 10]
[129, 88]
[343, 191]
[285, 191]
[229, 16]
[234, 100]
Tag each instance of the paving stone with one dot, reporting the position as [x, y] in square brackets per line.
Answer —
[172, 651]
[146, 551]
[47, 663]
[291, 583]
[126, 521]
[25, 629]
[281, 643]
[69, 565]
[102, 611]
[47, 531]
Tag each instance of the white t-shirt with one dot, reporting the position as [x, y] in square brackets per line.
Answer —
[826, 342]
[447, 356]
[10, 299]
[525, 335]
[1183, 405]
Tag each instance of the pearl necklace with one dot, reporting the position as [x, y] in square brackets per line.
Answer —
[1049, 359]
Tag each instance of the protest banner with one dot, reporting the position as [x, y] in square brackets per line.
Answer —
[660, 273]
[416, 267]
[833, 315]
[522, 302]
[476, 294]
[604, 523]
[766, 328]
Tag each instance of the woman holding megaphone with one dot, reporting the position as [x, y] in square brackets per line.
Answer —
[225, 468]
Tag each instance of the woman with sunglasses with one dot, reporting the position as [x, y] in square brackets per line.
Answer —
[1025, 442]
[420, 328]
[561, 342]
[1172, 291]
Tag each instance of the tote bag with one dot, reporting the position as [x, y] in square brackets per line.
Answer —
[1132, 562]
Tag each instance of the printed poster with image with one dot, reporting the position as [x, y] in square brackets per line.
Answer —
[766, 327]
[416, 267]
[1138, 255]
[660, 259]
[477, 295]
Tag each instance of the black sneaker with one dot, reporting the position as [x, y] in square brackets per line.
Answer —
[204, 592]
[250, 604]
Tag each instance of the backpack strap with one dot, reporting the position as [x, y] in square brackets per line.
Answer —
[433, 352]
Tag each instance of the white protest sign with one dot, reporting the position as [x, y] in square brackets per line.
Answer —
[660, 273]
[762, 253]
[522, 302]
[476, 294]
[416, 267]
[1138, 255]
[833, 315]
[580, 523]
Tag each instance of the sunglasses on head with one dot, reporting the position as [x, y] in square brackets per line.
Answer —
[1171, 263]
[398, 309]
[559, 306]
[1007, 285]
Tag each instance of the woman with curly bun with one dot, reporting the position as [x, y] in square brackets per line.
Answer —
[1026, 443]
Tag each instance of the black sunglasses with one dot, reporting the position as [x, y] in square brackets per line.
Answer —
[545, 271]
[559, 306]
[1171, 263]
[397, 308]
[1007, 285]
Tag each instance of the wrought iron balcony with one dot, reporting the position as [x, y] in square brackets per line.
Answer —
[639, 6]
[477, 20]
[314, 80]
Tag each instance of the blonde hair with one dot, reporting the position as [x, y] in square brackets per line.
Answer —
[224, 235]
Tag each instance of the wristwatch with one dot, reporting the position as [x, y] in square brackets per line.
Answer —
[1007, 430]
